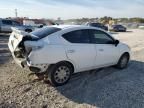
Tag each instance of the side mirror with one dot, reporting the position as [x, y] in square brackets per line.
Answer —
[116, 42]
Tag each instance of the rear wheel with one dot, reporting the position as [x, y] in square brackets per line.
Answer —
[59, 74]
[123, 61]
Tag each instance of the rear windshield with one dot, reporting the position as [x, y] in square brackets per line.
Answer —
[45, 31]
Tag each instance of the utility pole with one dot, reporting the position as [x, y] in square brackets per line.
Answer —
[16, 13]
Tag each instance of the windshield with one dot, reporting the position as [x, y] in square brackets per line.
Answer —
[43, 32]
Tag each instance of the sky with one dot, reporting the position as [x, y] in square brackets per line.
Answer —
[68, 9]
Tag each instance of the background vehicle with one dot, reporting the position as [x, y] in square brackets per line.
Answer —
[119, 28]
[59, 51]
[7, 24]
[99, 25]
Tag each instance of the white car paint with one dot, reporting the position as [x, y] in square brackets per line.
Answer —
[54, 48]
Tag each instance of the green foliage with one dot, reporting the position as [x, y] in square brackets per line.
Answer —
[106, 20]
[138, 20]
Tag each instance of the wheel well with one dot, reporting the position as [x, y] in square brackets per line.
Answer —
[72, 66]
[126, 53]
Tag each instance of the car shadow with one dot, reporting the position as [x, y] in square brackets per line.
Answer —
[107, 87]
[113, 33]
[129, 31]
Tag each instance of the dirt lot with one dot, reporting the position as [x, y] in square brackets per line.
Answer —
[102, 88]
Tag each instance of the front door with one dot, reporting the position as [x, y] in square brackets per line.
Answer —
[106, 51]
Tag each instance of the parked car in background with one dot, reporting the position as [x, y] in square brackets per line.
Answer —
[98, 25]
[60, 51]
[119, 28]
[7, 24]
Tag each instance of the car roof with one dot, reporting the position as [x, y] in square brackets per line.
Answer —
[64, 27]
[68, 26]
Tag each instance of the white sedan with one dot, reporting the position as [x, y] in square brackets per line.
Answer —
[59, 51]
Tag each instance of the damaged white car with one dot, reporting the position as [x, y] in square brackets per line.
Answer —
[59, 51]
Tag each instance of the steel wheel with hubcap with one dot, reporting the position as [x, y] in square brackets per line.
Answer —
[60, 74]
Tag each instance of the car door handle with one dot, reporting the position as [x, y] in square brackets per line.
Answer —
[70, 51]
[101, 50]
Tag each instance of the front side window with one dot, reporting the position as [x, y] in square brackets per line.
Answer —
[7, 22]
[78, 36]
[100, 37]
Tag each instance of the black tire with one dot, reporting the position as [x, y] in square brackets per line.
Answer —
[28, 30]
[123, 61]
[53, 71]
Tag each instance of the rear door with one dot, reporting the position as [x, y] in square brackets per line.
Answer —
[107, 52]
[79, 50]
[6, 25]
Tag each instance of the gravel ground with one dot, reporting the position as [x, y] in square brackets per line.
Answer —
[101, 88]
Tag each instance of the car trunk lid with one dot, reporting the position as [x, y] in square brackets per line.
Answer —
[16, 45]
[14, 40]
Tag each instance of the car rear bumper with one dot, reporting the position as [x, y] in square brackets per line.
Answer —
[33, 67]
[36, 68]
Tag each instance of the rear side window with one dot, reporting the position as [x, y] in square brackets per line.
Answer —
[78, 36]
[43, 32]
[7, 22]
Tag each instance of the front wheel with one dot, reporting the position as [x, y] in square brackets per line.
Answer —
[123, 61]
[59, 74]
